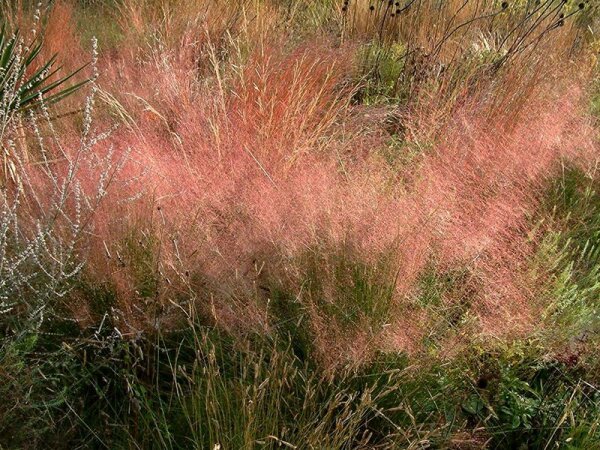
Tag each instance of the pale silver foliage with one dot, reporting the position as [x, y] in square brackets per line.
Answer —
[48, 197]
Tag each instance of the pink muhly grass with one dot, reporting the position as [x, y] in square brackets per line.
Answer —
[237, 184]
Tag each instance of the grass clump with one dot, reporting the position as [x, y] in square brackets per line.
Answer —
[262, 258]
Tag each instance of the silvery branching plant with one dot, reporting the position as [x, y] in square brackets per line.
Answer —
[49, 191]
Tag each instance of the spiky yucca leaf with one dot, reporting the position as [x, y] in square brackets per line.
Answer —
[23, 81]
